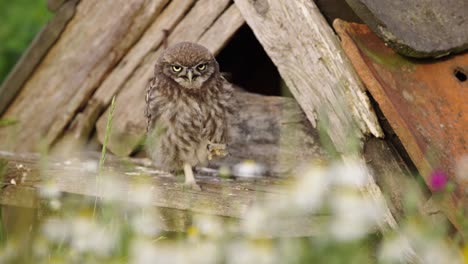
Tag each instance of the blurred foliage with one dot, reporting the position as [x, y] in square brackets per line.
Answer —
[20, 20]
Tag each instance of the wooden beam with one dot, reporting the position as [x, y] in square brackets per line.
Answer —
[219, 197]
[224, 28]
[309, 58]
[96, 38]
[34, 54]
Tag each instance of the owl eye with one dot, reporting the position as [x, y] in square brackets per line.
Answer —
[176, 68]
[201, 67]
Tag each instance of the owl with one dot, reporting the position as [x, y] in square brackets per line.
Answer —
[188, 103]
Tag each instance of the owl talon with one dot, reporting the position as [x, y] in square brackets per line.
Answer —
[192, 186]
[216, 150]
[190, 182]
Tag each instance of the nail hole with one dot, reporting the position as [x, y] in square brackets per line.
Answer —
[459, 74]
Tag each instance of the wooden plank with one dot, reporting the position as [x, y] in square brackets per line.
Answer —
[71, 176]
[120, 181]
[128, 115]
[92, 43]
[34, 54]
[309, 58]
[424, 102]
[220, 197]
[391, 174]
[152, 39]
[218, 35]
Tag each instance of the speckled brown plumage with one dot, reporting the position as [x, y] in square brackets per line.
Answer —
[187, 105]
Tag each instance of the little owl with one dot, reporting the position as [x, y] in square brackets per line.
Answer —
[187, 106]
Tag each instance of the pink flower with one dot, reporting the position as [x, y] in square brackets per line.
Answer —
[438, 180]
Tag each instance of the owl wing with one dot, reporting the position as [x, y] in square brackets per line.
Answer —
[228, 99]
[151, 109]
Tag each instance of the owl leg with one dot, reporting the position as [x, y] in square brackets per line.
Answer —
[189, 178]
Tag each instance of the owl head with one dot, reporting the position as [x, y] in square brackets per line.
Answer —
[188, 64]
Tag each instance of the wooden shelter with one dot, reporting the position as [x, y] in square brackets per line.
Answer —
[60, 92]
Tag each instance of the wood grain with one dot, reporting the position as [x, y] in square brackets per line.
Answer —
[218, 35]
[309, 58]
[219, 197]
[88, 48]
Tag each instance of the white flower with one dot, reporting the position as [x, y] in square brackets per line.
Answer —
[248, 169]
[112, 187]
[414, 245]
[396, 250]
[354, 215]
[49, 190]
[142, 195]
[146, 252]
[55, 204]
[208, 225]
[87, 236]
[437, 251]
[146, 224]
[89, 165]
[56, 230]
[201, 253]
[310, 189]
[352, 173]
[256, 221]
[239, 252]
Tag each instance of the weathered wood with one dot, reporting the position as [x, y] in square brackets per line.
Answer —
[422, 101]
[79, 177]
[218, 35]
[391, 173]
[309, 58]
[126, 134]
[84, 122]
[272, 131]
[219, 197]
[88, 48]
[34, 54]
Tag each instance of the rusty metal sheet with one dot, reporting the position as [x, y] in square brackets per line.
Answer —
[425, 102]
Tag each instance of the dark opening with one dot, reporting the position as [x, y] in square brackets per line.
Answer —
[247, 64]
[460, 74]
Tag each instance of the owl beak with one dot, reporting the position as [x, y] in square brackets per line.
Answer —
[190, 76]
